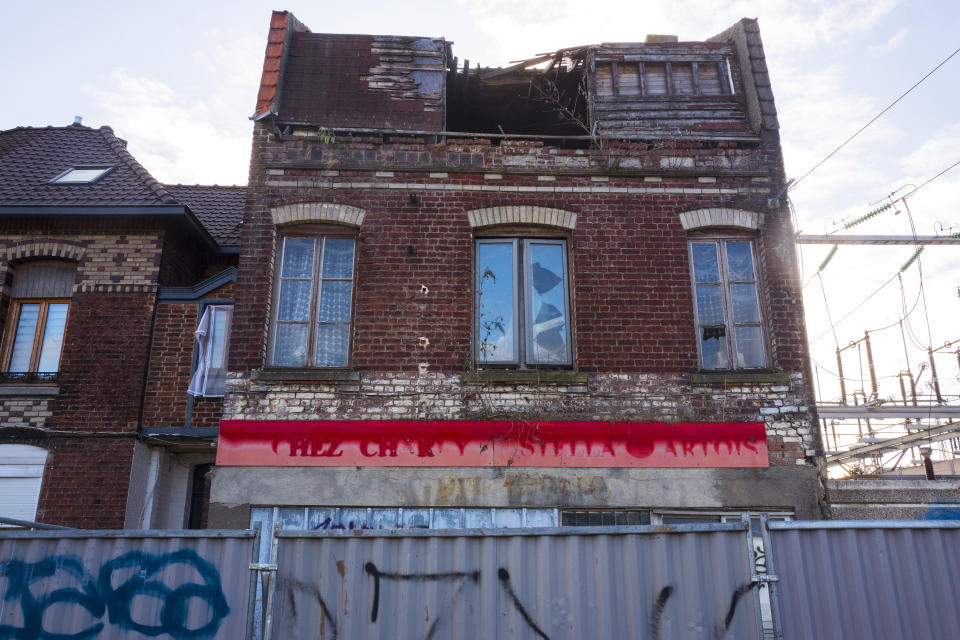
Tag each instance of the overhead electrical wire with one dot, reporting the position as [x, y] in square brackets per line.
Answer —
[854, 309]
[955, 164]
[872, 120]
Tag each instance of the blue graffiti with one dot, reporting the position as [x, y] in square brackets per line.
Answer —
[941, 513]
[100, 596]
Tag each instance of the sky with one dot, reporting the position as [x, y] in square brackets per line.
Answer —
[179, 81]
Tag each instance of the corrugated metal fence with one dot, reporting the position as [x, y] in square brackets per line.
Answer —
[675, 582]
[826, 580]
[866, 579]
[74, 585]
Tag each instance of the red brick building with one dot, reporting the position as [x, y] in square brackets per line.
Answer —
[105, 274]
[560, 292]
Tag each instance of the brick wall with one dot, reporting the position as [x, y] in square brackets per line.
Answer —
[171, 366]
[86, 482]
[632, 302]
[632, 307]
[123, 253]
[781, 406]
[103, 363]
[26, 411]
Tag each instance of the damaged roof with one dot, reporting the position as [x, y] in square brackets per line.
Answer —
[31, 158]
[352, 81]
[716, 89]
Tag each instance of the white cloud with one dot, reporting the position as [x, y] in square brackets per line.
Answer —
[176, 140]
[892, 42]
[934, 154]
[508, 27]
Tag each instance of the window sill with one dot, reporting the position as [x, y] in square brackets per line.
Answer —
[739, 377]
[526, 376]
[8, 390]
[304, 375]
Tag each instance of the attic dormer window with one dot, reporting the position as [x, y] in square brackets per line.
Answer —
[662, 78]
[87, 174]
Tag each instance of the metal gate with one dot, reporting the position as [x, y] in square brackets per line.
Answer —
[684, 581]
[863, 579]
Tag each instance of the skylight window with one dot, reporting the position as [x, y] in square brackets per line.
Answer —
[82, 175]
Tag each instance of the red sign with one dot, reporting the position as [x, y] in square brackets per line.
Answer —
[485, 443]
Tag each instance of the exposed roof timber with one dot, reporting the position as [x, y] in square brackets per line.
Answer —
[910, 240]
[515, 67]
[654, 135]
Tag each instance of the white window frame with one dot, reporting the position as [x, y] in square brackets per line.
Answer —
[522, 318]
[316, 292]
[730, 342]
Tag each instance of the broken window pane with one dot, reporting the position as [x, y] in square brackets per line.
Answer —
[546, 299]
[496, 299]
[713, 347]
[727, 304]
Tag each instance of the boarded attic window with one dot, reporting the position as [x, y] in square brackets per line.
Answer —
[682, 77]
[604, 80]
[704, 78]
[656, 76]
[82, 175]
[629, 80]
[708, 76]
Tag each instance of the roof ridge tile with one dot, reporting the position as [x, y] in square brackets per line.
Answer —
[162, 194]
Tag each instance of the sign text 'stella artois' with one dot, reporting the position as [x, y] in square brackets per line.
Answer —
[482, 443]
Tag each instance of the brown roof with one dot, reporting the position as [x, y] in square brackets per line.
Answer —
[219, 209]
[352, 81]
[31, 157]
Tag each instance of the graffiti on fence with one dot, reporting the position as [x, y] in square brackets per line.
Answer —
[458, 580]
[63, 580]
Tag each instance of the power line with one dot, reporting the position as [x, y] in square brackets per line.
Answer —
[931, 180]
[851, 312]
[872, 120]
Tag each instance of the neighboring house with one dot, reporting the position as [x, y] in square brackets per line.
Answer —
[562, 292]
[105, 275]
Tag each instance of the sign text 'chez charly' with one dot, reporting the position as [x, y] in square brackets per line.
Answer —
[483, 443]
